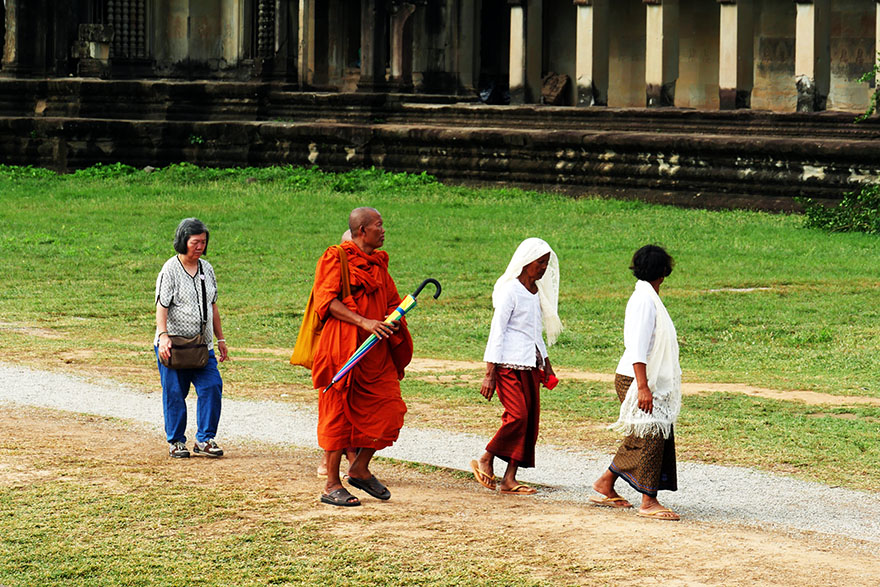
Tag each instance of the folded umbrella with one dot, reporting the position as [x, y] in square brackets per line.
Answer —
[406, 304]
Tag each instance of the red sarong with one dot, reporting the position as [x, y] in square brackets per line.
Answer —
[365, 409]
[520, 394]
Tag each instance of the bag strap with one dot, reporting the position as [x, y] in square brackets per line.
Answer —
[346, 280]
[204, 299]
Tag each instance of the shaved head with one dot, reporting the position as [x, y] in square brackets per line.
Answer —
[367, 230]
[360, 217]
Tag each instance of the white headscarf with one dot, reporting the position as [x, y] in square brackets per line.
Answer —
[530, 250]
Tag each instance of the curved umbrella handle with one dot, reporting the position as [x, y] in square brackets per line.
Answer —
[419, 289]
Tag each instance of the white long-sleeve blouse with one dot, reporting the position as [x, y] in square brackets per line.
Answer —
[516, 329]
[638, 329]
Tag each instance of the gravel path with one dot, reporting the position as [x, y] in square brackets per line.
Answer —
[707, 492]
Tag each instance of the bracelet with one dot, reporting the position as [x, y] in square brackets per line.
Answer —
[221, 340]
[161, 333]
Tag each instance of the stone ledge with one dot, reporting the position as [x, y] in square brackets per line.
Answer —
[684, 169]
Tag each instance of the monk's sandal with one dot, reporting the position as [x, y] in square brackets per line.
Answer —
[208, 448]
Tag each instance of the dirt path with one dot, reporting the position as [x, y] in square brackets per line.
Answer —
[437, 370]
[437, 515]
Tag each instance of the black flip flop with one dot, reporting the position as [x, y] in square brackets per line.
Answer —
[372, 486]
[340, 497]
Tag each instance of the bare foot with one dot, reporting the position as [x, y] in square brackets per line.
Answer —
[487, 464]
[483, 478]
[605, 485]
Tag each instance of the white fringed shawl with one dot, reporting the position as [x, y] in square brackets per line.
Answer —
[664, 380]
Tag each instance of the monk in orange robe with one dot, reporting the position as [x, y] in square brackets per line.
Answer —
[365, 409]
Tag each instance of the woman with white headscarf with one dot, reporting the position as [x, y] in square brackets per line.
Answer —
[525, 299]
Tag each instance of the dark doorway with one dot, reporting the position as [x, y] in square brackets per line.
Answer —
[494, 52]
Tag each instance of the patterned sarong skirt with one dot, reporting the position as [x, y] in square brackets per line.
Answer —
[647, 464]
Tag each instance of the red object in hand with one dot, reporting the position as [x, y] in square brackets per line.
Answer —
[551, 382]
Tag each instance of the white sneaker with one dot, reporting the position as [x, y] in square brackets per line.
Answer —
[177, 450]
[208, 448]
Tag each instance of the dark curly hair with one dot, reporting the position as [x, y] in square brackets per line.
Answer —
[651, 262]
[187, 228]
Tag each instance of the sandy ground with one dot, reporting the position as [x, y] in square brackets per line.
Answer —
[563, 543]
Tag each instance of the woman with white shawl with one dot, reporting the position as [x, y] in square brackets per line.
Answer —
[648, 384]
[525, 299]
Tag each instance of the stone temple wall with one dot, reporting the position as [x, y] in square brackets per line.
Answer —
[693, 158]
[697, 102]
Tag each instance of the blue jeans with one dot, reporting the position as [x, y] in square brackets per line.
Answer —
[175, 388]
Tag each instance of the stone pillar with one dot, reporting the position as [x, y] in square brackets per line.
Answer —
[469, 46]
[736, 54]
[812, 54]
[525, 51]
[534, 50]
[230, 24]
[306, 57]
[877, 40]
[661, 51]
[374, 22]
[16, 58]
[591, 61]
[517, 52]
[401, 45]
[286, 39]
[178, 35]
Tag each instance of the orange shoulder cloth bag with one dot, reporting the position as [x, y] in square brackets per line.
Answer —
[312, 325]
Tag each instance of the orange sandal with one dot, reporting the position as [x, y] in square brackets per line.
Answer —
[521, 490]
[483, 478]
[661, 514]
[611, 502]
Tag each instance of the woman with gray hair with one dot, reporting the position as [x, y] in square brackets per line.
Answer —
[186, 306]
[525, 299]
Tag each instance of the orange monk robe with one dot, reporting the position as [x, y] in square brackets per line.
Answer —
[365, 409]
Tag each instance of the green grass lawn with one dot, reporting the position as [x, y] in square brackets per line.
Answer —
[756, 298]
[82, 252]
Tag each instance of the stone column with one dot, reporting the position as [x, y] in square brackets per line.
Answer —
[286, 39]
[469, 47]
[736, 54]
[229, 27]
[306, 57]
[401, 45]
[178, 37]
[812, 54]
[661, 52]
[534, 50]
[517, 51]
[877, 41]
[16, 58]
[591, 61]
[374, 22]
[525, 51]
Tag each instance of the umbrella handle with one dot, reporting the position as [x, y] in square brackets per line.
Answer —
[426, 282]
